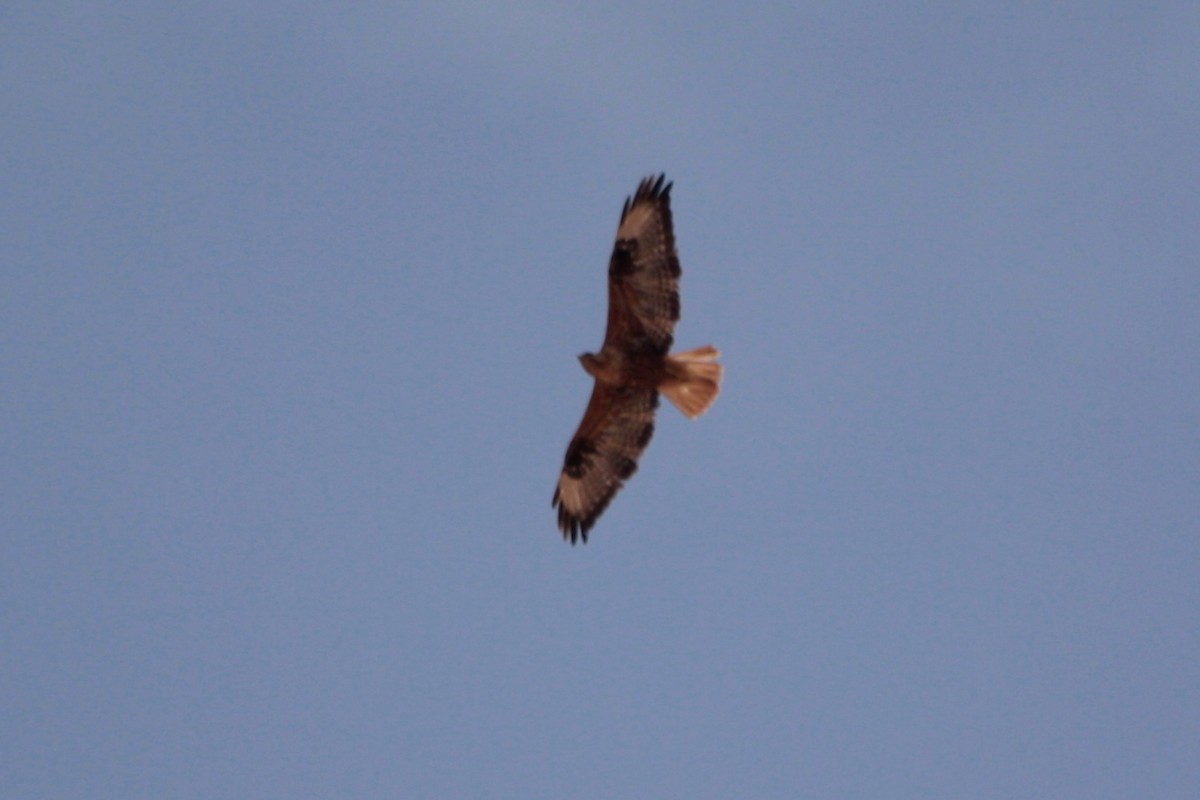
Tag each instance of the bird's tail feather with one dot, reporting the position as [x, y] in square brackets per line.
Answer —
[695, 380]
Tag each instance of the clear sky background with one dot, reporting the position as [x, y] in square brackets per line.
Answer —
[290, 301]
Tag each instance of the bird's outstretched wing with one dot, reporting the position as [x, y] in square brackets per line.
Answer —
[643, 273]
[603, 453]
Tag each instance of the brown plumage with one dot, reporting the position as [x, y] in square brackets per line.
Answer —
[633, 365]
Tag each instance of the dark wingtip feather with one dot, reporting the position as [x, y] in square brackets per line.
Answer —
[574, 529]
[652, 188]
[659, 189]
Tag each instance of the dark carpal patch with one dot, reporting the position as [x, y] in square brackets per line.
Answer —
[577, 457]
[621, 263]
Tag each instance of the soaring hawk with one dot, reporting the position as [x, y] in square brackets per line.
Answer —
[633, 366]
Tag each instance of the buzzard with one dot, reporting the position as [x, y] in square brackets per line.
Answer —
[633, 366]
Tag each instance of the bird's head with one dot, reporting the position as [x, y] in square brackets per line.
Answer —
[590, 363]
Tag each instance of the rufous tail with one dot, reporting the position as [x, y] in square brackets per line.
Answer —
[694, 380]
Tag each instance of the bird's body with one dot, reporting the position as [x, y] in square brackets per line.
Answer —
[613, 367]
[633, 365]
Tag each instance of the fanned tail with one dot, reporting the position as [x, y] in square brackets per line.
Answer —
[694, 380]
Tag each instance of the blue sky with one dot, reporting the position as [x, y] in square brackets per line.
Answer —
[290, 302]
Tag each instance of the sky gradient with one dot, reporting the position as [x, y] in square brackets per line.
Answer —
[290, 301]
